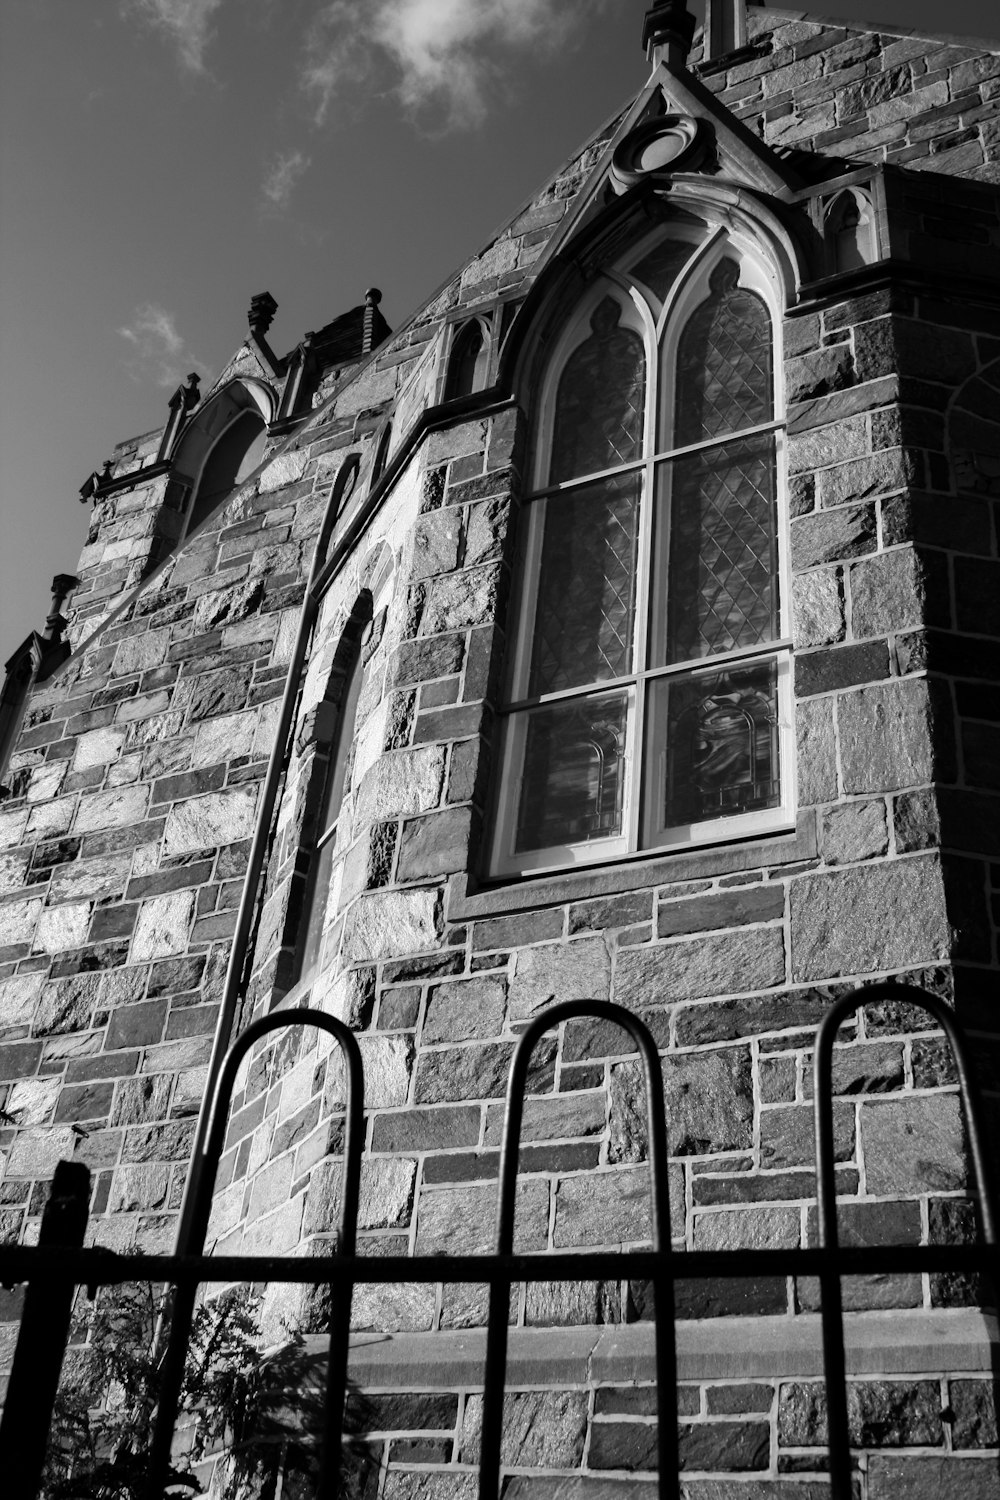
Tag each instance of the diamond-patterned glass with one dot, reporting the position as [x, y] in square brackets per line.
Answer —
[601, 399]
[572, 780]
[724, 373]
[586, 586]
[721, 744]
[721, 590]
[659, 269]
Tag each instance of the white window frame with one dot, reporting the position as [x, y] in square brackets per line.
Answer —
[660, 326]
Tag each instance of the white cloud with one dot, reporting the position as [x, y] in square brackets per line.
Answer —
[187, 23]
[158, 351]
[448, 53]
[282, 177]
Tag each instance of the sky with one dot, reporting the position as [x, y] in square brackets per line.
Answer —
[163, 160]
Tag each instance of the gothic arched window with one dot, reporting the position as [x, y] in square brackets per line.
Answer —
[338, 717]
[467, 363]
[850, 230]
[233, 458]
[647, 690]
[220, 448]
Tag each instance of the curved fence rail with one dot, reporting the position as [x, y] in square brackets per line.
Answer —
[58, 1265]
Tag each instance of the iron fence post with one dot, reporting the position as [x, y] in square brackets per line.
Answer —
[41, 1342]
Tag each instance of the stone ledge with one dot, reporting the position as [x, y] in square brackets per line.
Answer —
[579, 884]
[766, 1348]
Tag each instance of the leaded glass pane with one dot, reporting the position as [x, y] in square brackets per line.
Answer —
[719, 754]
[572, 780]
[724, 371]
[660, 268]
[586, 586]
[721, 590]
[601, 399]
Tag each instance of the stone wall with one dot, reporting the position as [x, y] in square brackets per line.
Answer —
[122, 858]
[865, 94]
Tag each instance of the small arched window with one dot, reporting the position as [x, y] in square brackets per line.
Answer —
[647, 695]
[850, 230]
[220, 448]
[233, 458]
[467, 364]
[331, 771]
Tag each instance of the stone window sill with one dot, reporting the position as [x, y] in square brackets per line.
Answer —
[465, 902]
[876, 1344]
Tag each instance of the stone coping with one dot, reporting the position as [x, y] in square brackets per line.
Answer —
[963, 1341]
[575, 884]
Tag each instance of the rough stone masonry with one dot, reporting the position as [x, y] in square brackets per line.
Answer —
[136, 784]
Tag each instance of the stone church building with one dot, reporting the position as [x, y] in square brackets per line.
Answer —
[624, 624]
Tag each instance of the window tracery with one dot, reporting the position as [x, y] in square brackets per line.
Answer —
[647, 695]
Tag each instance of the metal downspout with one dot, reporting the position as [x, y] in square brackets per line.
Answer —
[231, 993]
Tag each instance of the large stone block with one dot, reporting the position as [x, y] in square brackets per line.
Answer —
[207, 822]
[435, 845]
[541, 1429]
[868, 920]
[886, 737]
[32, 1101]
[406, 781]
[880, 1414]
[18, 920]
[18, 1000]
[817, 751]
[436, 539]
[463, 1073]
[66, 1004]
[163, 925]
[462, 1220]
[748, 1229]
[111, 809]
[62, 927]
[461, 600]
[913, 1145]
[818, 605]
[853, 831]
[603, 1208]
[709, 1102]
[36, 1151]
[887, 593]
[465, 1009]
[554, 973]
[916, 1477]
[732, 963]
[139, 653]
[224, 739]
[833, 535]
[387, 1062]
[387, 924]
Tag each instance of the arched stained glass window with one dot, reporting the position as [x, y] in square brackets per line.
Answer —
[647, 693]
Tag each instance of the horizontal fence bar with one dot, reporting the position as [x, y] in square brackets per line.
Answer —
[95, 1267]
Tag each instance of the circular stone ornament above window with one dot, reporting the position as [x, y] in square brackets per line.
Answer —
[672, 143]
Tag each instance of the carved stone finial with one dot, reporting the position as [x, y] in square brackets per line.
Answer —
[667, 33]
[373, 296]
[55, 624]
[261, 314]
[88, 488]
[192, 393]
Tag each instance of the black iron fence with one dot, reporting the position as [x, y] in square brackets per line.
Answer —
[55, 1268]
